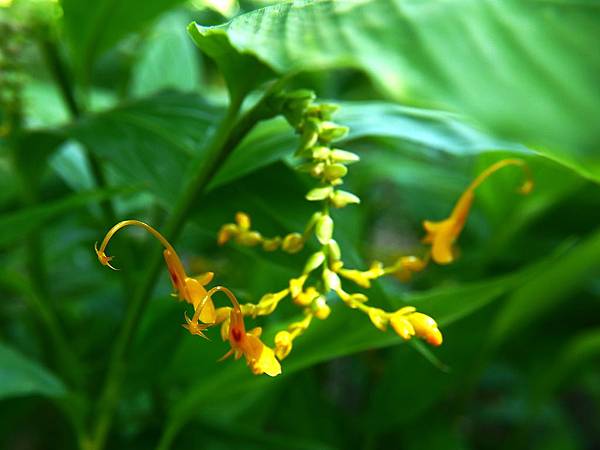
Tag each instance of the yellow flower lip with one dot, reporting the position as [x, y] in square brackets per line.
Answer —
[442, 234]
[259, 357]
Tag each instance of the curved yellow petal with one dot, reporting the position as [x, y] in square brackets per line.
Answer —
[441, 249]
[197, 294]
[267, 363]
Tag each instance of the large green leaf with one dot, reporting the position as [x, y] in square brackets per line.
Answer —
[524, 69]
[20, 376]
[544, 293]
[15, 226]
[151, 142]
[168, 59]
[435, 132]
[93, 27]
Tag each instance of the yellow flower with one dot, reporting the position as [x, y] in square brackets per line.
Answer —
[297, 285]
[259, 357]
[425, 327]
[186, 288]
[283, 344]
[379, 318]
[442, 235]
[363, 277]
[401, 324]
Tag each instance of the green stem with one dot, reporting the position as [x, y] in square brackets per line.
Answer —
[226, 138]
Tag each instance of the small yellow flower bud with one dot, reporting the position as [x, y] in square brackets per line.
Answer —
[324, 229]
[243, 220]
[342, 156]
[402, 326]
[321, 308]
[412, 263]
[379, 318]
[226, 232]
[331, 280]
[225, 329]
[320, 193]
[315, 260]
[283, 344]
[296, 285]
[426, 328]
[292, 243]
[270, 245]
[249, 238]
[334, 171]
[269, 302]
[340, 198]
[336, 266]
[306, 297]
[360, 278]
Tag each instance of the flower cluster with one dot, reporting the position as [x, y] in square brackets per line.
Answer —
[259, 357]
[324, 272]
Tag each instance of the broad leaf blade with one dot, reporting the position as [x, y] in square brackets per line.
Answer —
[20, 376]
[514, 66]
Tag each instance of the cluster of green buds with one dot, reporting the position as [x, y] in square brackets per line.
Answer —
[321, 278]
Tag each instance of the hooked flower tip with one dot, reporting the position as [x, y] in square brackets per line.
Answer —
[103, 258]
[195, 328]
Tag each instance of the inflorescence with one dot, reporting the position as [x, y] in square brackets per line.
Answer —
[324, 274]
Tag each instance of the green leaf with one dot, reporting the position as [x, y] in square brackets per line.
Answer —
[544, 292]
[33, 150]
[168, 59]
[15, 226]
[94, 27]
[242, 72]
[20, 376]
[579, 350]
[434, 130]
[522, 68]
[151, 143]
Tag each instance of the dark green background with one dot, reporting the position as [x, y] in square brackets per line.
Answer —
[110, 109]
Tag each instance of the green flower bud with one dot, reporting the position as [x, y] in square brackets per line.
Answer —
[320, 152]
[333, 249]
[320, 193]
[315, 260]
[334, 171]
[330, 131]
[340, 198]
[331, 280]
[324, 229]
[342, 156]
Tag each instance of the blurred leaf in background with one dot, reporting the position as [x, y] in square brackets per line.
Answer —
[156, 110]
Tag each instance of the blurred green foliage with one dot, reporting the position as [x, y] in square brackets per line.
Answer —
[109, 111]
